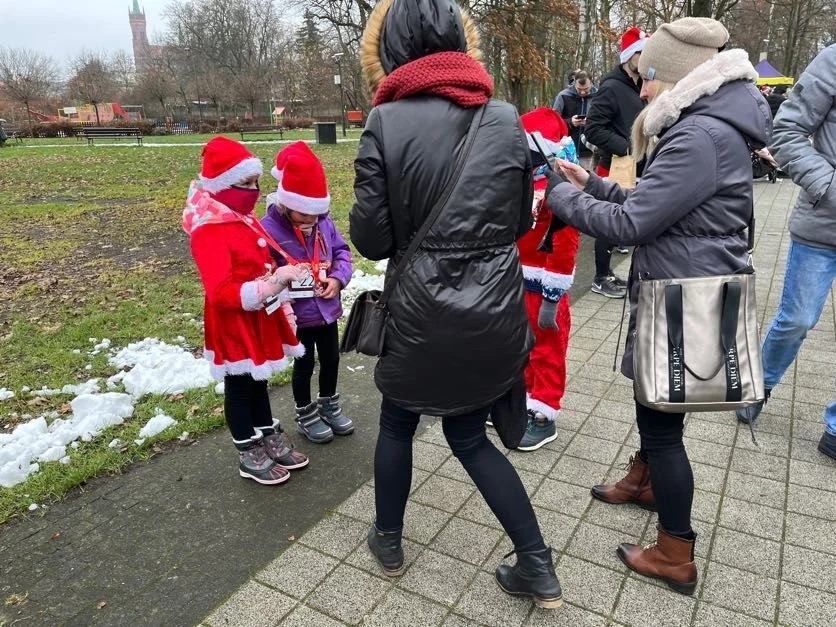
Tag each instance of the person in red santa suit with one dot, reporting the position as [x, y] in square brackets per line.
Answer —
[248, 333]
[548, 256]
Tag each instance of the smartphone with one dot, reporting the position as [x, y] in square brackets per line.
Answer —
[582, 117]
[534, 136]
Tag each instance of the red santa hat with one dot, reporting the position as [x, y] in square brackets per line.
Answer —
[632, 41]
[302, 184]
[548, 125]
[225, 163]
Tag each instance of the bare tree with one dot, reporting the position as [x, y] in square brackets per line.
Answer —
[122, 65]
[26, 76]
[92, 81]
[155, 84]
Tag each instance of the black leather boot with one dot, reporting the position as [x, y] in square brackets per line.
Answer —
[387, 549]
[532, 576]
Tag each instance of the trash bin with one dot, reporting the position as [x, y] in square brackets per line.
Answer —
[326, 132]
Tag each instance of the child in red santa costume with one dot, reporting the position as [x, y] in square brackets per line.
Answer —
[247, 332]
[548, 256]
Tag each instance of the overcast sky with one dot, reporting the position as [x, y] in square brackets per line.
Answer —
[62, 28]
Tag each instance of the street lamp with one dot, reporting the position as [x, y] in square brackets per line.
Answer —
[338, 81]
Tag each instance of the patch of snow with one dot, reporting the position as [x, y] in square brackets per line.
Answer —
[381, 265]
[360, 282]
[74, 445]
[139, 442]
[115, 379]
[92, 340]
[183, 436]
[103, 345]
[36, 440]
[25, 388]
[76, 351]
[6, 394]
[64, 460]
[90, 386]
[33, 507]
[88, 367]
[157, 424]
[219, 388]
[160, 368]
[114, 443]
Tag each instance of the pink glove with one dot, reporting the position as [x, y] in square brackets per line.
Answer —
[279, 280]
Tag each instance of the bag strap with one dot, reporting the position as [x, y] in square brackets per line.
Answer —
[728, 335]
[419, 236]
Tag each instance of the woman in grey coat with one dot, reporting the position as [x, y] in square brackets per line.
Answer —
[458, 337]
[687, 218]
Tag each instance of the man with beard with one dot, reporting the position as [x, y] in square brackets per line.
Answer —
[608, 124]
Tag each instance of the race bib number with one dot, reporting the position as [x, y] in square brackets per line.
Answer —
[306, 288]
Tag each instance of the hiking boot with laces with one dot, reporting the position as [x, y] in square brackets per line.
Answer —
[331, 412]
[635, 487]
[309, 424]
[606, 286]
[254, 463]
[670, 559]
[539, 431]
[281, 450]
[387, 549]
[532, 576]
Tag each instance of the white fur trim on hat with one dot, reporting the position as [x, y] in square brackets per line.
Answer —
[241, 171]
[549, 412]
[636, 46]
[277, 174]
[303, 204]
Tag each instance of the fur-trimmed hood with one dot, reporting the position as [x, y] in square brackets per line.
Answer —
[373, 70]
[723, 88]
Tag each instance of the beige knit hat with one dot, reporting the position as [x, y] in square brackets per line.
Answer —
[677, 48]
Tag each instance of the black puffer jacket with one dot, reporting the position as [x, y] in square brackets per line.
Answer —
[458, 336]
[612, 113]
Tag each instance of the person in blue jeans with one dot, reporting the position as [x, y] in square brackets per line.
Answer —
[810, 114]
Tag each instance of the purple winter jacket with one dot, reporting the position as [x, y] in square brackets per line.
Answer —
[312, 312]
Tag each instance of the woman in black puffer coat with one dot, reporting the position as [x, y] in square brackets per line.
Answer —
[458, 336]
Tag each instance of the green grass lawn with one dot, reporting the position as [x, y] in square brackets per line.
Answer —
[306, 134]
[91, 246]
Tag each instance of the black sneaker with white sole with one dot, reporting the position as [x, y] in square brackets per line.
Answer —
[606, 286]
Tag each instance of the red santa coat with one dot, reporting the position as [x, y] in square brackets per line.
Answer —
[239, 336]
[547, 275]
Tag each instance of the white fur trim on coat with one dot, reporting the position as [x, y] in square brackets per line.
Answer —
[249, 296]
[243, 170]
[549, 412]
[261, 372]
[302, 204]
[704, 80]
[533, 273]
[557, 281]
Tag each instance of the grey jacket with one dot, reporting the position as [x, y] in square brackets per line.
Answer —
[810, 112]
[688, 215]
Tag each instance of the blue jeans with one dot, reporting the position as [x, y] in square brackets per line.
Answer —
[807, 282]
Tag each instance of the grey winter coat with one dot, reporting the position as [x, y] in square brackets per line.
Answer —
[688, 215]
[810, 112]
[458, 336]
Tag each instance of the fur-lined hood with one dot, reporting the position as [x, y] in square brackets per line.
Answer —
[747, 110]
[373, 71]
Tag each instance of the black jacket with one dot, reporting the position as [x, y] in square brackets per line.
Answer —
[568, 104]
[458, 335]
[611, 115]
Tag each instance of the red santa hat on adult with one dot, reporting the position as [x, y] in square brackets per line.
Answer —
[632, 41]
[302, 184]
[225, 163]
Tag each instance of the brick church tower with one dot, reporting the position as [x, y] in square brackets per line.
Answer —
[140, 37]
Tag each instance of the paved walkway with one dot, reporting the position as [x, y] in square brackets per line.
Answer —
[764, 515]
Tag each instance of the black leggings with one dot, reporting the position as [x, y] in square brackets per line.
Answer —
[603, 255]
[327, 343]
[490, 470]
[246, 406]
[670, 471]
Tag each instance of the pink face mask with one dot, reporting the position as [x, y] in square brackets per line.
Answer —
[240, 199]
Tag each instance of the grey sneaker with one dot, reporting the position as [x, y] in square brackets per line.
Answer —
[540, 431]
[280, 449]
[606, 286]
[254, 463]
[617, 280]
[309, 424]
[332, 414]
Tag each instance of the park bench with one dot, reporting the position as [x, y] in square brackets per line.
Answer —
[260, 129]
[91, 133]
[12, 134]
[355, 118]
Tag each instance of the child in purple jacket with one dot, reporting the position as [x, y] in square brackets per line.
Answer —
[297, 219]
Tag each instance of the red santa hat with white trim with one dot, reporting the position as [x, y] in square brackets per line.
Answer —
[632, 41]
[302, 183]
[225, 163]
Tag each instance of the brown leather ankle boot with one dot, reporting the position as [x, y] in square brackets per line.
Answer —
[670, 559]
[634, 488]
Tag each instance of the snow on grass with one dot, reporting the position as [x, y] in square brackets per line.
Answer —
[90, 386]
[159, 368]
[360, 282]
[35, 441]
[6, 394]
[157, 424]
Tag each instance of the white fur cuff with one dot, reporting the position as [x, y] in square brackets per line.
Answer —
[549, 412]
[249, 296]
[553, 280]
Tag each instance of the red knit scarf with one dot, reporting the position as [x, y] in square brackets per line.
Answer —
[450, 75]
